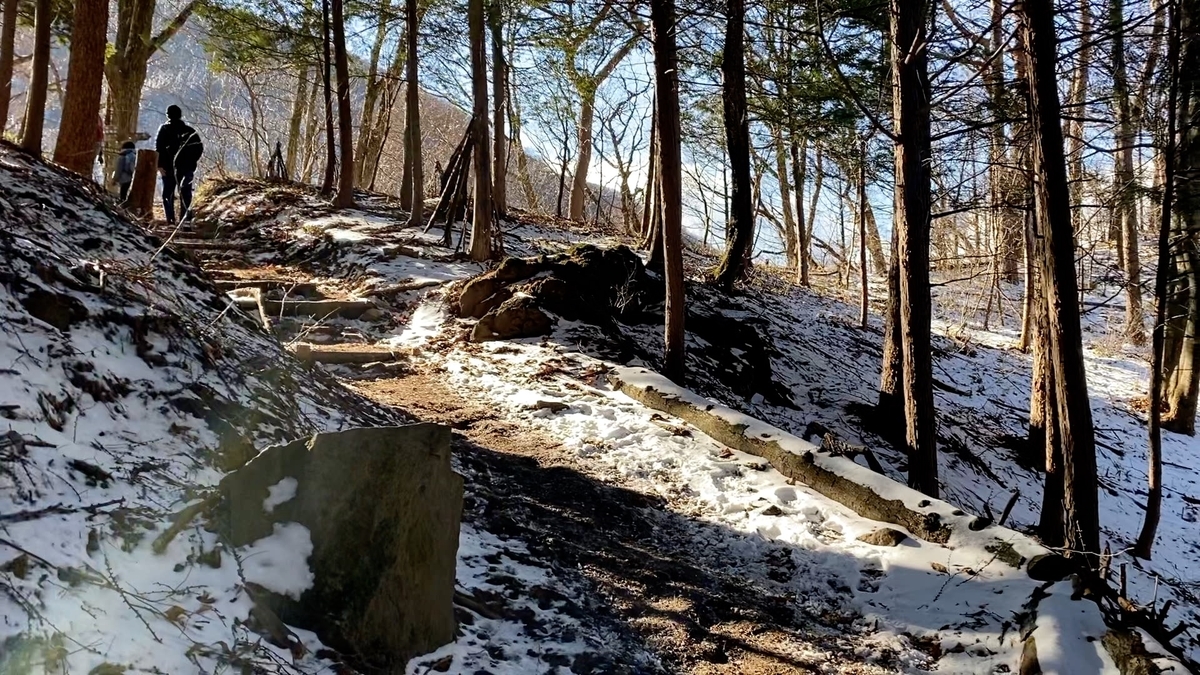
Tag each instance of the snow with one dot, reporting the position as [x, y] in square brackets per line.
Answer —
[278, 562]
[121, 411]
[731, 510]
[280, 493]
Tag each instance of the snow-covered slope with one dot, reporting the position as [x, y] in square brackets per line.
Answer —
[749, 521]
[127, 383]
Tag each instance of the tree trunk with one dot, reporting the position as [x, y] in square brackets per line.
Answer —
[1078, 106]
[412, 114]
[299, 107]
[649, 195]
[1145, 540]
[666, 81]
[913, 157]
[76, 146]
[330, 143]
[370, 98]
[891, 375]
[8, 37]
[864, 296]
[799, 174]
[345, 193]
[1181, 371]
[499, 106]
[785, 199]
[1124, 192]
[312, 129]
[818, 182]
[737, 141]
[583, 157]
[481, 225]
[35, 101]
[1008, 250]
[1072, 422]
[532, 202]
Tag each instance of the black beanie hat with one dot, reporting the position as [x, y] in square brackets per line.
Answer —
[174, 112]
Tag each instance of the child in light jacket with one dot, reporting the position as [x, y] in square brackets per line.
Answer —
[126, 161]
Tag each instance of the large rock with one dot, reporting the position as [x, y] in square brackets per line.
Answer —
[516, 317]
[382, 509]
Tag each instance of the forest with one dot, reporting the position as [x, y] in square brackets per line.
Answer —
[768, 335]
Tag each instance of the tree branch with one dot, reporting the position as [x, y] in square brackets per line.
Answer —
[172, 28]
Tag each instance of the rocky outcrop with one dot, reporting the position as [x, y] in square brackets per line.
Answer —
[588, 283]
[381, 507]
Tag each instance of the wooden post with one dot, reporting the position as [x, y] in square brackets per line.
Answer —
[145, 179]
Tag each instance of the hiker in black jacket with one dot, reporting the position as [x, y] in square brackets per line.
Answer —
[179, 148]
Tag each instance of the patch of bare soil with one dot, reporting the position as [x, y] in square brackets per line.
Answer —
[634, 554]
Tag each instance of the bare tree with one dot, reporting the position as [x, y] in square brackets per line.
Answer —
[8, 38]
[481, 226]
[345, 192]
[1071, 422]
[910, 115]
[670, 198]
[412, 113]
[327, 65]
[1125, 210]
[737, 140]
[1145, 540]
[35, 100]
[499, 106]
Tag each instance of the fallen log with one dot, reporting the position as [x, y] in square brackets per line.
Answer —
[347, 309]
[346, 354]
[396, 289]
[837, 477]
[286, 285]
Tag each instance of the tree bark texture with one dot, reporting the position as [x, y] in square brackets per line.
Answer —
[8, 37]
[891, 375]
[1125, 210]
[1145, 541]
[327, 66]
[910, 95]
[737, 141]
[499, 108]
[803, 227]
[345, 193]
[1072, 422]
[35, 100]
[77, 144]
[299, 108]
[374, 86]
[412, 114]
[1181, 349]
[666, 81]
[481, 225]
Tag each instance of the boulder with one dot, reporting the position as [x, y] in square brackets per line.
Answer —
[376, 511]
[884, 536]
[474, 293]
[516, 317]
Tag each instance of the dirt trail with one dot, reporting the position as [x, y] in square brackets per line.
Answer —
[642, 570]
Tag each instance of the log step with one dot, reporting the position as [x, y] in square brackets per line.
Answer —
[346, 353]
[286, 285]
[347, 309]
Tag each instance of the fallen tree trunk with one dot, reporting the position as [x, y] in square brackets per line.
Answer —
[838, 478]
[346, 309]
[346, 354]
